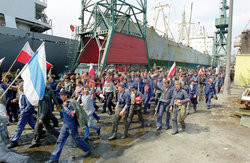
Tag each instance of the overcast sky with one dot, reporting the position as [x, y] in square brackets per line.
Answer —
[66, 12]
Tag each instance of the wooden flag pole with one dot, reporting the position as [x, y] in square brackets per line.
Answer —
[10, 69]
[13, 81]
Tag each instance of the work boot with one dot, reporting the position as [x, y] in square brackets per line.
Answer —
[111, 112]
[52, 161]
[85, 153]
[174, 133]
[167, 128]
[113, 137]
[158, 128]
[12, 145]
[124, 136]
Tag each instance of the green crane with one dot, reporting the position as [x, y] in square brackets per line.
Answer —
[220, 40]
[100, 19]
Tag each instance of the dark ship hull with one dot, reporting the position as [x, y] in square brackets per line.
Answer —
[12, 41]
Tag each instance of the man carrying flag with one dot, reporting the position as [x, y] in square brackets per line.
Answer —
[34, 75]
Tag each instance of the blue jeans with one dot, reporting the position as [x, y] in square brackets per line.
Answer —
[208, 100]
[90, 125]
[96, 116]
[162, 109]
[64, 133]
[146, 102]
[24, 119]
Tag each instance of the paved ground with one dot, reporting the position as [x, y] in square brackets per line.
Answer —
[211, 136]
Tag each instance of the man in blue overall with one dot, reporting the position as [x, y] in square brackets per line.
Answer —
[210, 91]
[70, 126]
[159, 81]
[193, 93]
[164, 104]
[219, 81]
[11, 102]
[26, 116]
[179, 102]
[121, 111]
[136, 106]
[147, 92]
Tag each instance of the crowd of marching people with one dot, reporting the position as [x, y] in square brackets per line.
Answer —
[122, 95]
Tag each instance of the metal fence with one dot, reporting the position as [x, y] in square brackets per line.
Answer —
[44, 1]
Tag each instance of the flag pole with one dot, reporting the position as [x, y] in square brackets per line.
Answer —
[19, 73]
[9, 68]
[14, 81]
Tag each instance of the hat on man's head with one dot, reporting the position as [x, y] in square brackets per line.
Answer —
[132, 85]
[121, 84]
[64, 92]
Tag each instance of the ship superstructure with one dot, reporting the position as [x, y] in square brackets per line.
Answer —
[26, 20]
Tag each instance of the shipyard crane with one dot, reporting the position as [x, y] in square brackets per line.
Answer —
[221, 41]
[111, 26]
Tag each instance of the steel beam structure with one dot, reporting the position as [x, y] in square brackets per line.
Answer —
[221, 41]
[102, 18]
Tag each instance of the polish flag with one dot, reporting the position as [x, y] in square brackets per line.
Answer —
[172, 70]
[91, 70]
[1, 60]
[26, 54]
[201, 71]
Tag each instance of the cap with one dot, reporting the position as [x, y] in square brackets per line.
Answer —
[121, 84]
[64, 92]
[132, 85]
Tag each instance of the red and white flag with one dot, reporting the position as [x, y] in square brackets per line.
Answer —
[172, 70]
[201, 71]
[91, 70]
[26, 54]
[1, 60]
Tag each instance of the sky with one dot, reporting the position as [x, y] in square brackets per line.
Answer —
[66, 12]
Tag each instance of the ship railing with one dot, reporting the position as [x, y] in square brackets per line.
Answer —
[43, 18]
[44, 1]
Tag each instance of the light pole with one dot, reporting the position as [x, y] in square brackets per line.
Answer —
[227, 81]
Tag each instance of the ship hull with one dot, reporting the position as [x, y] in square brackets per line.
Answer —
[164, 52]
[12, 41]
